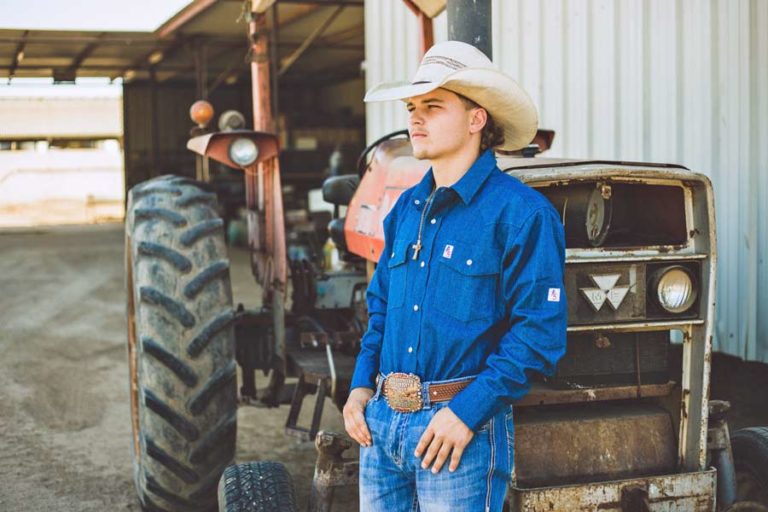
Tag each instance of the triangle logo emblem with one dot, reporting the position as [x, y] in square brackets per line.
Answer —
[606, 291]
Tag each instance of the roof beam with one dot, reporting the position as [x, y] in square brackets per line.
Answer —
[178, 70]
[345, 3]
[85, 53]
[144, 61]
[91, 67]
[111, 41]
[343, 35]
[183, 17]
[287, 62]
[18, 55]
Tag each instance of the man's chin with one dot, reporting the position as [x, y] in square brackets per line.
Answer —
[421, 153]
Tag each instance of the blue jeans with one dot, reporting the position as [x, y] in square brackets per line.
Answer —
[391, 477]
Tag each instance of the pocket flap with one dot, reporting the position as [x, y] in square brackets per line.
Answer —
[470, 259]
[399, 253]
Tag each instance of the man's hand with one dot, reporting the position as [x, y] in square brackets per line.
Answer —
[354, 415]
[446, 433]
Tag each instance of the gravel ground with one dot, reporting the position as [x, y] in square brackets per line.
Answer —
[64, 414]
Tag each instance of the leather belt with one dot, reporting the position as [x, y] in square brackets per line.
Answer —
[404, 391]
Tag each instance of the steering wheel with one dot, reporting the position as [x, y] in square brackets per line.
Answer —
[362, 160]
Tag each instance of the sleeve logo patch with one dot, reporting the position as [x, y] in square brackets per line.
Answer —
[553, 295]
[448, 251]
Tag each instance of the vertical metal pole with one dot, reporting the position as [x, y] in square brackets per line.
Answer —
[155, 118]
[274, 285]
[470, 21]
[261, 86]
[273, 39]
[426, 32]
[201, 90]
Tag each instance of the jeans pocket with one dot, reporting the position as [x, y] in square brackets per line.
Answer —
[484, 428]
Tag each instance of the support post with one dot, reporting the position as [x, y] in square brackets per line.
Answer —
[470, 21]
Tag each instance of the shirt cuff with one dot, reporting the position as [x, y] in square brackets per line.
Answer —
[364, 376]
[472, 411]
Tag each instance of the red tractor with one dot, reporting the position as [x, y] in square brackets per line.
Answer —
[611, 430]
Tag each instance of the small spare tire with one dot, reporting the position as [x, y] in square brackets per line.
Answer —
[256, 487]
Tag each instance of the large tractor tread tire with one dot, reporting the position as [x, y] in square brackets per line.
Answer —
[180, 344]
[750, 456]
[256, 487]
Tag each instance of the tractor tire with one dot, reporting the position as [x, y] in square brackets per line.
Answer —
[256, 487]
[180, 344]
[750, 456]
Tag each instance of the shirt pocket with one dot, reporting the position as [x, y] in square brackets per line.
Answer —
[467, 282]
[397, 273]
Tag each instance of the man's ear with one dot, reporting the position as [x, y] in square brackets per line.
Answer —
[477, 120]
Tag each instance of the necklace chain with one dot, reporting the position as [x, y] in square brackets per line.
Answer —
[417, 245]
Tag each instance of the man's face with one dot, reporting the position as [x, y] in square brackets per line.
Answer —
[439, 124]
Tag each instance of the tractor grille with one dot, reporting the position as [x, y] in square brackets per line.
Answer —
[606, 293]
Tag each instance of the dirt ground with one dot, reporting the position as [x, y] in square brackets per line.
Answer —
[64, 413]
[65, 427]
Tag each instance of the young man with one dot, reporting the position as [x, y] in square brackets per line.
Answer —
[466, 299]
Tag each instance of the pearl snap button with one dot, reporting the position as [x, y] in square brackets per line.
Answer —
[416, 201]
[392, 255]
[410, 349]
[422, 264]
[415, 307]
[469, 262]
[433, 221]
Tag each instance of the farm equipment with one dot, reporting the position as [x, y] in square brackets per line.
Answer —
[611, 430]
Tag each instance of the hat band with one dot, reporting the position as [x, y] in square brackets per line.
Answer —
[443, 61]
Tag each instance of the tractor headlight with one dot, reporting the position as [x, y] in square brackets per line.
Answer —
[675, 289]
[243, 151]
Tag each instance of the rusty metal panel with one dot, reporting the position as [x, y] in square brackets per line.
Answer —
[588, 443]
[686, 492]
[607, 359]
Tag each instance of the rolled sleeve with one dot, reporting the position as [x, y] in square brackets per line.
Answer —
[532, 286]
[367, 363]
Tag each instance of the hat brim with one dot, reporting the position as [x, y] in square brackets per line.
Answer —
[509, 105]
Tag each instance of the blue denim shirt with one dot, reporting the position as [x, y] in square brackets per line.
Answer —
[483, 298]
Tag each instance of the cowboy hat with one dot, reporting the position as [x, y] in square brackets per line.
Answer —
[463, 69]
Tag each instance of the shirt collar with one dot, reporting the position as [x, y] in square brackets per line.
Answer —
[473, 179]
[468, 184]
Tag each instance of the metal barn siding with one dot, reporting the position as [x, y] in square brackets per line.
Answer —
[681, 82]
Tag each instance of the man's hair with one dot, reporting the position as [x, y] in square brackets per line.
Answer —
[492, 134]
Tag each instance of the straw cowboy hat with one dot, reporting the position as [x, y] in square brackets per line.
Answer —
[465, 70]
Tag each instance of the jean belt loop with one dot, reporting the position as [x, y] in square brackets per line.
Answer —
[427, 402]
[379, 387]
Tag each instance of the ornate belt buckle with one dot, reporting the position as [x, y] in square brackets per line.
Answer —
[403, 392]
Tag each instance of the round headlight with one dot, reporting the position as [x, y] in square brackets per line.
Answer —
[675, 289]
[598, 217]
[243, 151]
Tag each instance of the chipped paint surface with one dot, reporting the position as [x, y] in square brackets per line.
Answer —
[687, 492]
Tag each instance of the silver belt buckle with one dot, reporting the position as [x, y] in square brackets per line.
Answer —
[403, 392]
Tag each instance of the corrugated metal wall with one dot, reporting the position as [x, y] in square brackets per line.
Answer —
[654, 80]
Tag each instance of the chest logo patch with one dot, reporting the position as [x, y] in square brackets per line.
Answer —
[448, 251]
[553, 295]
